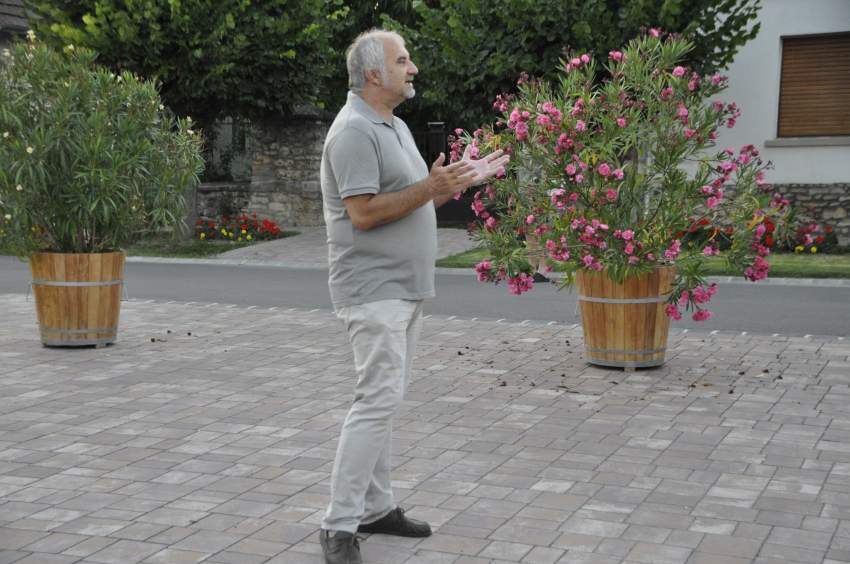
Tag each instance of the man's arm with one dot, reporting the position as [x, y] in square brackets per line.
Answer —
[370, 210]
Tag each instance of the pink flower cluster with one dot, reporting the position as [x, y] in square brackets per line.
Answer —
[616, 56]
[758, 271]
[519, 284]
[484, 269]
[577, 62]
[698, 296]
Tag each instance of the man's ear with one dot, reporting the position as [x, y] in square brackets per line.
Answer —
[374, 77]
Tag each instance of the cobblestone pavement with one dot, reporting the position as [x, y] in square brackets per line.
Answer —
[170, 448]
[312, 246]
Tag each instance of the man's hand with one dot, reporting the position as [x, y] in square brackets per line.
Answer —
[485, 167]
[446, 181]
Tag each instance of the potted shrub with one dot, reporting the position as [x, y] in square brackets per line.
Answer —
[610, 176]
[89, 165]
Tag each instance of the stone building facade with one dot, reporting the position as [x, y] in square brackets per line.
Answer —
[829, 202]
[285, 186]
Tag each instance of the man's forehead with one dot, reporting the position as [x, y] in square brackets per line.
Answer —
[393, 48]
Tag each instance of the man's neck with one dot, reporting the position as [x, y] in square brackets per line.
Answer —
[376, 101]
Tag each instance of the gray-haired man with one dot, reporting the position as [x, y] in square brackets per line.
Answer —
[379, 201]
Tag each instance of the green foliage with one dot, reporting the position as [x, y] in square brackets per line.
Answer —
[213, 57]
[470, 50]
[89, 164]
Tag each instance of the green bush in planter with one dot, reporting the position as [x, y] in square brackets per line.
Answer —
[88, 161]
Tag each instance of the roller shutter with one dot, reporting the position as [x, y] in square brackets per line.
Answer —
[814, 96]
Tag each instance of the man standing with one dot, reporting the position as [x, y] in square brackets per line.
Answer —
[379, 201]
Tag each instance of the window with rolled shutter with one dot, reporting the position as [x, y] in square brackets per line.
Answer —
[814, 96]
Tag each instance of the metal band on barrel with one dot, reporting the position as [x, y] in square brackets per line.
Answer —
[77, 342]
[78, 331]
[104, 283]
[612, 351]
[624, 301]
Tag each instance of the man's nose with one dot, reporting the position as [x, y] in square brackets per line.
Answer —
[412, 69]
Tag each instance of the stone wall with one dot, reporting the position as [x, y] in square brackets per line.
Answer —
[284, 187]
[830, 202]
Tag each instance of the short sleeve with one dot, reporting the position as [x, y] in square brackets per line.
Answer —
[353, 157]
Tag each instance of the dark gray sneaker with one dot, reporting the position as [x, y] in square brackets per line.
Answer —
[342, 548]
[395, 523]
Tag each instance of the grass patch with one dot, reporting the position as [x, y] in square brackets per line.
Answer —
[164, 246]
[466, 259]
[782, 265]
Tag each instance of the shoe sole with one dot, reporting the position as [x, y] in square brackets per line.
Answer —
[393, 533]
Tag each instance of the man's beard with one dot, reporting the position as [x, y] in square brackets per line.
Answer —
[409, 92]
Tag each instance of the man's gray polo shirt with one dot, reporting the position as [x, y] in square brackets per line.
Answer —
[364, 154]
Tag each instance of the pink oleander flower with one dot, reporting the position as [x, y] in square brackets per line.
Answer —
[483, 269]
[628, 235]
[458, 131]
[683, 301]
[679, 71]
[547, 107]
[712, 289]
[575, 224]
[618, 173]
[571, 169]
[629, 249]
[692, 85]
[478, 207]
[653, 32]
[611, 194]
[585, 59]
[526, 115]
[521, 130]
[761, 229]
[702, 315]
[673, 251]
[579, 178]
[580, 125]
[712, 203]
[717, 107]
[621, 122]
[700, 296]
[588, 260]
[529, 220]
[491, 222]
[543, 119]
[520, 284]
[689, 133]
[708, 251]
[575, 62]
[715, 79]
[683, 112]
[807, 240]
[557, 115]
[604, 169]
[672, 311]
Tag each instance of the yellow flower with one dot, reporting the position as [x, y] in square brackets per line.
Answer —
[19, 187]
[6, 53]
[239, 239]
[231, 235]
[5, 134]
[799, 248]
[203, 235]
[8, 217]
[30, 150]
[243, 231]
[118, 79]
[161, 107]
[814, 249]
[70, 47]
[249, 237]
[224, 231]
[188, 118]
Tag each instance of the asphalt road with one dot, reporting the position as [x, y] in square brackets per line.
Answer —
[737, 307]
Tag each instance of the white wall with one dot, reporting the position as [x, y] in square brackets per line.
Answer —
[754, 86]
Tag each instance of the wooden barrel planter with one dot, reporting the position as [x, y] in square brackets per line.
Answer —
[77, 297]
[625, 325]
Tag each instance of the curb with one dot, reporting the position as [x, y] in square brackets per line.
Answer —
[819, 282]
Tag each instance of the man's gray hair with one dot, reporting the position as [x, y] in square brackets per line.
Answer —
[367, 54]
